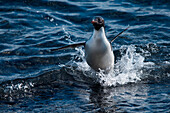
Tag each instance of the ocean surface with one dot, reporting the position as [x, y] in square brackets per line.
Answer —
[35, 79]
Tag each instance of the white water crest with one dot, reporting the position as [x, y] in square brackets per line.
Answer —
[128, 69]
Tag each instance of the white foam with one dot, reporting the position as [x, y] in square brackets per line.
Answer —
[168, 74]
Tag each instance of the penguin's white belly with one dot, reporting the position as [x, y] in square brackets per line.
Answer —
[99, 55]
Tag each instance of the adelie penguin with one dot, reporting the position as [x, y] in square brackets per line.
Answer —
[98, 50]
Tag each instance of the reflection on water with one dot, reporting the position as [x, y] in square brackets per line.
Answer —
[115, 99]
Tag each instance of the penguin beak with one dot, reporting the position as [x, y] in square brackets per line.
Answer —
[93, 22]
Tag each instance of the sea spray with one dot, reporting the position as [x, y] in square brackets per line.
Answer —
[126, 70]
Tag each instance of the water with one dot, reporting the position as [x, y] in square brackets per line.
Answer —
[35, 79]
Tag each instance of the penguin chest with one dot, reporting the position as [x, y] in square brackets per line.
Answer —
[99, 54]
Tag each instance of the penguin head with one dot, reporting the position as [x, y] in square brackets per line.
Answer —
[97, 22]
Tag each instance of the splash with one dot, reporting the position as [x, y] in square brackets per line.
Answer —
[14, 91]
[128, 69]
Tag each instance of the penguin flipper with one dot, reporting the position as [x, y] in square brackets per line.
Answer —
[69, 46]
[119, 34]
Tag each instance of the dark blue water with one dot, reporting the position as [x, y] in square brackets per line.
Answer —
[35, 79]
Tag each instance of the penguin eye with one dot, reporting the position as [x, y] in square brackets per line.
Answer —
[99, 20]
